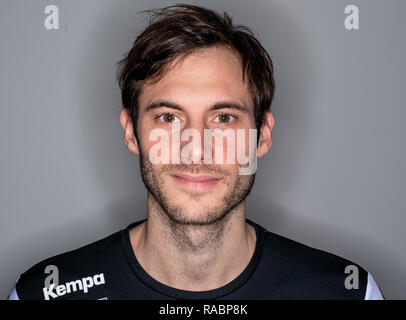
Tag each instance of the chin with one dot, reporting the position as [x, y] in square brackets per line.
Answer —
[185, 216]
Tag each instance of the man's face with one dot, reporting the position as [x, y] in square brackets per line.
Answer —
[196, 193]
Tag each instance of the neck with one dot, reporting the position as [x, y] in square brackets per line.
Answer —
[193, 257]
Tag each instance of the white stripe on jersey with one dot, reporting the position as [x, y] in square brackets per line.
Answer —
[13, 295]
[372, 292]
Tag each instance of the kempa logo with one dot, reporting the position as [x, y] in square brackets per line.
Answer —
[73, 286]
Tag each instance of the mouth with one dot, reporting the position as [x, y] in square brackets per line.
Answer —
[196, 182]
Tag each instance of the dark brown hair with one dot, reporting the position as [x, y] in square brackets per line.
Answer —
[178, 30]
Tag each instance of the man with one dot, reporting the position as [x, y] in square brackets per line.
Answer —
[192, 71]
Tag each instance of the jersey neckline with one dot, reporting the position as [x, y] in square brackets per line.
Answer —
[172, 292]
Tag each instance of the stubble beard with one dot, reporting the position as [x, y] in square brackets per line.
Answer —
[237, 190]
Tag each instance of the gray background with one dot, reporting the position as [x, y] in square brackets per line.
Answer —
[334, 178]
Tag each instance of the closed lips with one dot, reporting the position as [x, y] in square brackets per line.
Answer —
[200, 178]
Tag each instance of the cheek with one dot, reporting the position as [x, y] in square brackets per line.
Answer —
[148, 135]
[247, 141]
[158, 146]
[236, 148]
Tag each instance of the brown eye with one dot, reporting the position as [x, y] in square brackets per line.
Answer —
[224, 118]
[168, 118]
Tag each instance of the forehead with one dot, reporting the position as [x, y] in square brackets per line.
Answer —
[201, 78]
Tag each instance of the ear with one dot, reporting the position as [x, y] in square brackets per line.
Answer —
[265, 139]
[129, 137]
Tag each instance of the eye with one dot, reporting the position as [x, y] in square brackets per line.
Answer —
[225, 118]
[168, 118]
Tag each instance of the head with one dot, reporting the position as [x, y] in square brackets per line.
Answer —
[191, 68]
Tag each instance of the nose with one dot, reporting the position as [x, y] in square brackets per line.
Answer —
[193, 145]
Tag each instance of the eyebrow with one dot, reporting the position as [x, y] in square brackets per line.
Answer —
[216, 106]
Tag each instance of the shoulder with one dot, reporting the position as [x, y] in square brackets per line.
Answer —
[82, 268]
[304, 272]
